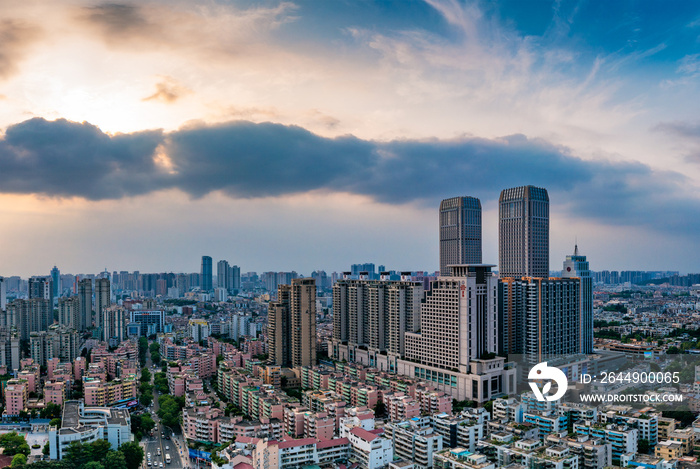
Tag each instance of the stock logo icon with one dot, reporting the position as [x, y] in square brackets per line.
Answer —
[542, 372]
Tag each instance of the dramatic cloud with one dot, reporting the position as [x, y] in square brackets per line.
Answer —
[15, 39]
[246, 160]
[68, 159]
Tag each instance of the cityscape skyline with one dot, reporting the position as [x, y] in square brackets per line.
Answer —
[346, 124]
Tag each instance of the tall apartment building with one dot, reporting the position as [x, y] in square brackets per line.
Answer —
[3, 293]
[9, 349]
[460, 232]
[523, 232]
[206, 274]
[41, 287]
[370, 318]
[103, 298]
[223, 274]
[69, 312]
[114, 325]
[292, 324]
[56, 280]
[235, 275]
[85, 304]
[58, 342]
[576, 266]
[29, 316]
[228, 276]
[541, 317]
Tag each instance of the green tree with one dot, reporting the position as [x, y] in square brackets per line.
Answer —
[14, 444]
[115, 460]
[51, 411]
[133, 454]
[19, 460]
[77, 454]
[47, 449]
[100, 448]
[146, 399]
[55, 423]
[380, 409]
[643, 446]
[93, 465]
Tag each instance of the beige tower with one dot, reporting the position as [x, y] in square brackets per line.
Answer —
[292, 324]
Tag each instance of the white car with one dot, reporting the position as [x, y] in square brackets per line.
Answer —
[167, 447]
[161, 465]
[148, 455]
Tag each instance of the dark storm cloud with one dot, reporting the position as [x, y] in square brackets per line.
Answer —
[246, 160]
[15, 39]
[68, 159]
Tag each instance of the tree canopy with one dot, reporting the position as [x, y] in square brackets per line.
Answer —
[14, 444]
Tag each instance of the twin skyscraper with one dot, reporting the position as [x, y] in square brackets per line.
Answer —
[523, 247]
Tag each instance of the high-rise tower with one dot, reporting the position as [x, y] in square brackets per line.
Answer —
[292, 324]
[523, 232]
[577, 266]
[41, 287]
[56, 279]
[206, 274]
[103, 295]
[223, 272]
[3, 293]
[85, 305]
[460, 232]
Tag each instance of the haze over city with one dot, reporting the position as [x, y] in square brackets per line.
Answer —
[312, 135]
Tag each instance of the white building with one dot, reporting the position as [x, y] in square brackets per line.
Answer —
[369, 449]
[87, 424]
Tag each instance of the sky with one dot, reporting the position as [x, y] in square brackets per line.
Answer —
[309, 134]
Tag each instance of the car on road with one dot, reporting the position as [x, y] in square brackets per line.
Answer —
[161, 465]
[167, 447]
[148, 455]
